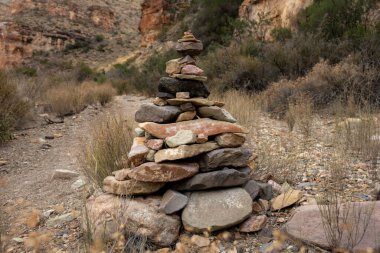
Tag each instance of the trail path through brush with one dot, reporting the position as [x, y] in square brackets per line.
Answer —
[27, 189]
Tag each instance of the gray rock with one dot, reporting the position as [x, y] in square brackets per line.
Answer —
[173, 201]
[139, 216]
[165, 95]
[187, 107]
[216, 210]
[157, 114]
[182, 137]
[174, 85]
[224, 157]
[215, 179]
[78, 184]
[64, 174]
[217, 113]
[306, 224]
[139, 132]
[150, 155]
[253, 189]
[266, 191]
[191, 48]
[59, 220]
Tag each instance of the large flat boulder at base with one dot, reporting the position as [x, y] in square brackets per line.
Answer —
[163, 172]
[216, 179]
[235, 157]
[129, 187]
[139, 216]
[216, 210]
[306, 225]
[173, 85]
[207, 127]
[183, 151]
[158, 114]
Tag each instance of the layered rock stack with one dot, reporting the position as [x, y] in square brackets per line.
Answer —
[190, 151]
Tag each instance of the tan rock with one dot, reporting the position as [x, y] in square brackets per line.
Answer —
[138, 151]
[173, 67]
[163, 172]
[194, 101]
[182, 137]
[138, 216]
[150, 155]
[64, 174]
[155, 144]
[184, 95]
[253, 224]
[230, 140]
[129, 187]
[184, 151]
[159, 101]
[190, 77]
[185, 116]
[121, 175]
[207, 127]
[286, 199]
[201, 138]
[192, 70]
[200, 241]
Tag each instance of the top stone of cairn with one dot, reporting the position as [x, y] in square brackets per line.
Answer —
[189, 45]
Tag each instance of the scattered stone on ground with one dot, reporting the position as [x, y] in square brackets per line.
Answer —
[64, 174]
[253, 224]
[286, 199]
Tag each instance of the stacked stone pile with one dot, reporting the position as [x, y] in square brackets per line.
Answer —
[190, 150]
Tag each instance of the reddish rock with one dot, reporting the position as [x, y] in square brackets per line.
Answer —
[138, 151]
[121, 175]
[207, 127]
[202, 138]
[230, 140]
[155, 144]
[163, 172]
[253, 224]
[192, 70]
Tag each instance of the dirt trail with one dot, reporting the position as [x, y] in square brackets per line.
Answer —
[26, 183]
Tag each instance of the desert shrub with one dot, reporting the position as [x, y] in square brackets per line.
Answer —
[109, 144]
[281, 33]
[83, 72]
[12, 108]
[27, 71]
[78, 44]
[335, 18]
[99, 38]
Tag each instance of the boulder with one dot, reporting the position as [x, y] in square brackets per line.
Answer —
[174, 85]
[230, 140]
[182, 137]
[129, 187]
[138, 151]
[215, 112]
[307, 225]
[158, 114]
[235, 157]
[194, 101]
[185, 116]
[207, 127]
[163, 172]
[140, 217]
[191, 70]
[209, 211]
[190, 77]
[173, 201]
[184, 95]
[191, 48]
[286, 199]
[155, 144]
[184, 151]
[173, 67]
[215, 179]
[253, 224]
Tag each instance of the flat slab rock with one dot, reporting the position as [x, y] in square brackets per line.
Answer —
[215, 179]
[158, 114]
[129, 187]
[235, 157]
[139, 216]
[194, 101]
[306, 225]
[216, 210]
[174, 85]
[173, 201]
[184, 151]
[286, 199]
[215, 112]
[163, 172]
[207, 127]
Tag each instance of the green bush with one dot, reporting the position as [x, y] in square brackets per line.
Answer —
[83, 72]
[12, 107]
[27, 71]
[99, 38]
[281, 33]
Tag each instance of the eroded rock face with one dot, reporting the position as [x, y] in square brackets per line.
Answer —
[139, 216]
[306, 225]
[163, 172]
[207, 127]
[129, 187]
[215, 210]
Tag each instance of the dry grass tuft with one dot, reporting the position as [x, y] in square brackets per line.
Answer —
[110, 141]
[71, 98]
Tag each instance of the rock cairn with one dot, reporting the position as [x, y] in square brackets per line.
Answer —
[190, 151]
